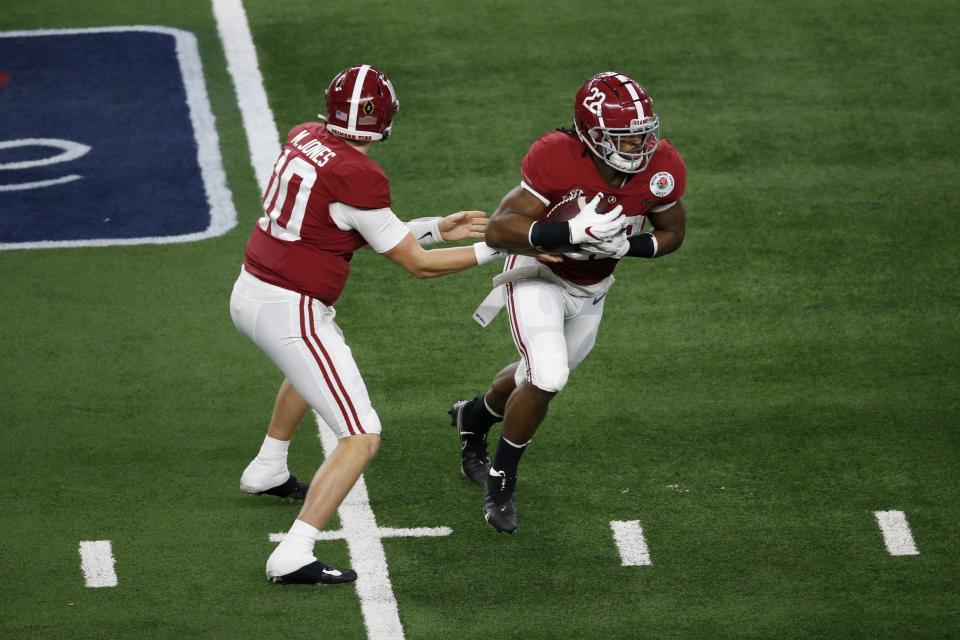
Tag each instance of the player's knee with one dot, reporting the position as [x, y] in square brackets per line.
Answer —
[371, 444]
[551, 380]
[549, 375]
[365, 445]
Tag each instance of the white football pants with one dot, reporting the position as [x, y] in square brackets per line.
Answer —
[299, 334]
[553, 330]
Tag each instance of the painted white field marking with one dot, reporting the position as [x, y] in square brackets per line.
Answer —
[628, 535]
[96, 560]
[223, 215]
[69, 150]
[367, 557]
[39, 184]
[896, 533]
[324, 535]
[258, 122]
[358, 526]
[416, 532]
[383, 532]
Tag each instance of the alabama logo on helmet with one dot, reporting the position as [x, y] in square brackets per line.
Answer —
[662, 183]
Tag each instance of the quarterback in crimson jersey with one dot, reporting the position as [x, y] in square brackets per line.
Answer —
[607, 189]
[316, 171]
[325, 200]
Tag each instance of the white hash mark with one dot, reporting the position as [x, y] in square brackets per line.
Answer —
[896, 533]
[628, 535]
[96, 560]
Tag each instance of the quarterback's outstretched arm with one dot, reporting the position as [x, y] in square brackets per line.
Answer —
[423, 263]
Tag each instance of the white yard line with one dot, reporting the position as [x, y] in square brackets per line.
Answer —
[896, 533]
[367, 557]
[258, 123]
[324, 535]
[416, 532]
[97, 562]
[628, 535]
[383, 532]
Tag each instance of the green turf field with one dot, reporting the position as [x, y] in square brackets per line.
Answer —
[752, 399]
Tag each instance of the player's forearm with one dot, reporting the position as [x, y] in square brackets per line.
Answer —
[668, 229]
[440, 262]
[512, 239]
[654, 244]
[668, 241]
[509, 226]
[509, 231]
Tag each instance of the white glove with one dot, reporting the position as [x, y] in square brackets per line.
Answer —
[616, 247]
[590, 227]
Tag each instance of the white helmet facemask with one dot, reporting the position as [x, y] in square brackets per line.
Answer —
[609, 141]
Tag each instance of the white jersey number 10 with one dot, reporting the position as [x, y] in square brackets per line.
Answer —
[285, 202]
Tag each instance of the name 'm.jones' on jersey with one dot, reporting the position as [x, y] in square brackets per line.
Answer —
[296, 244]
[313, 148]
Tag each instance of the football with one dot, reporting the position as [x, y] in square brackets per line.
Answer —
[570, 206]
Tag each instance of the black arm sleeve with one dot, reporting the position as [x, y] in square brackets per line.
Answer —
[643, 246]
[550, 235]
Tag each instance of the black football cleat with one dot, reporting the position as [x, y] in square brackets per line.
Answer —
[316, 573]
[291, 491]
[502, 518]
[474, 459]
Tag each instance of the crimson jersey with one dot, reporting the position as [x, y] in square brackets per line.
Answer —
[559, 167]
[296, 244]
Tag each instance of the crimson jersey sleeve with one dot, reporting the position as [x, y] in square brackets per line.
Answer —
[363, 186]
[670, 172]
[543, 167]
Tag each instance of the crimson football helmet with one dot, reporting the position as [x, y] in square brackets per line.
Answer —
[361, 104]
[609, 107]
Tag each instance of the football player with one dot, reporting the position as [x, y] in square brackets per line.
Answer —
[588, 193]
[325, 200]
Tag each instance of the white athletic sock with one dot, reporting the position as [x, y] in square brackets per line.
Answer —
[273, 449]
[294, 551]
[269, 468]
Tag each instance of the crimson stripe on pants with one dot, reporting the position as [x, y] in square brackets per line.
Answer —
[515, 326]
[316, 357]
[333, 369]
